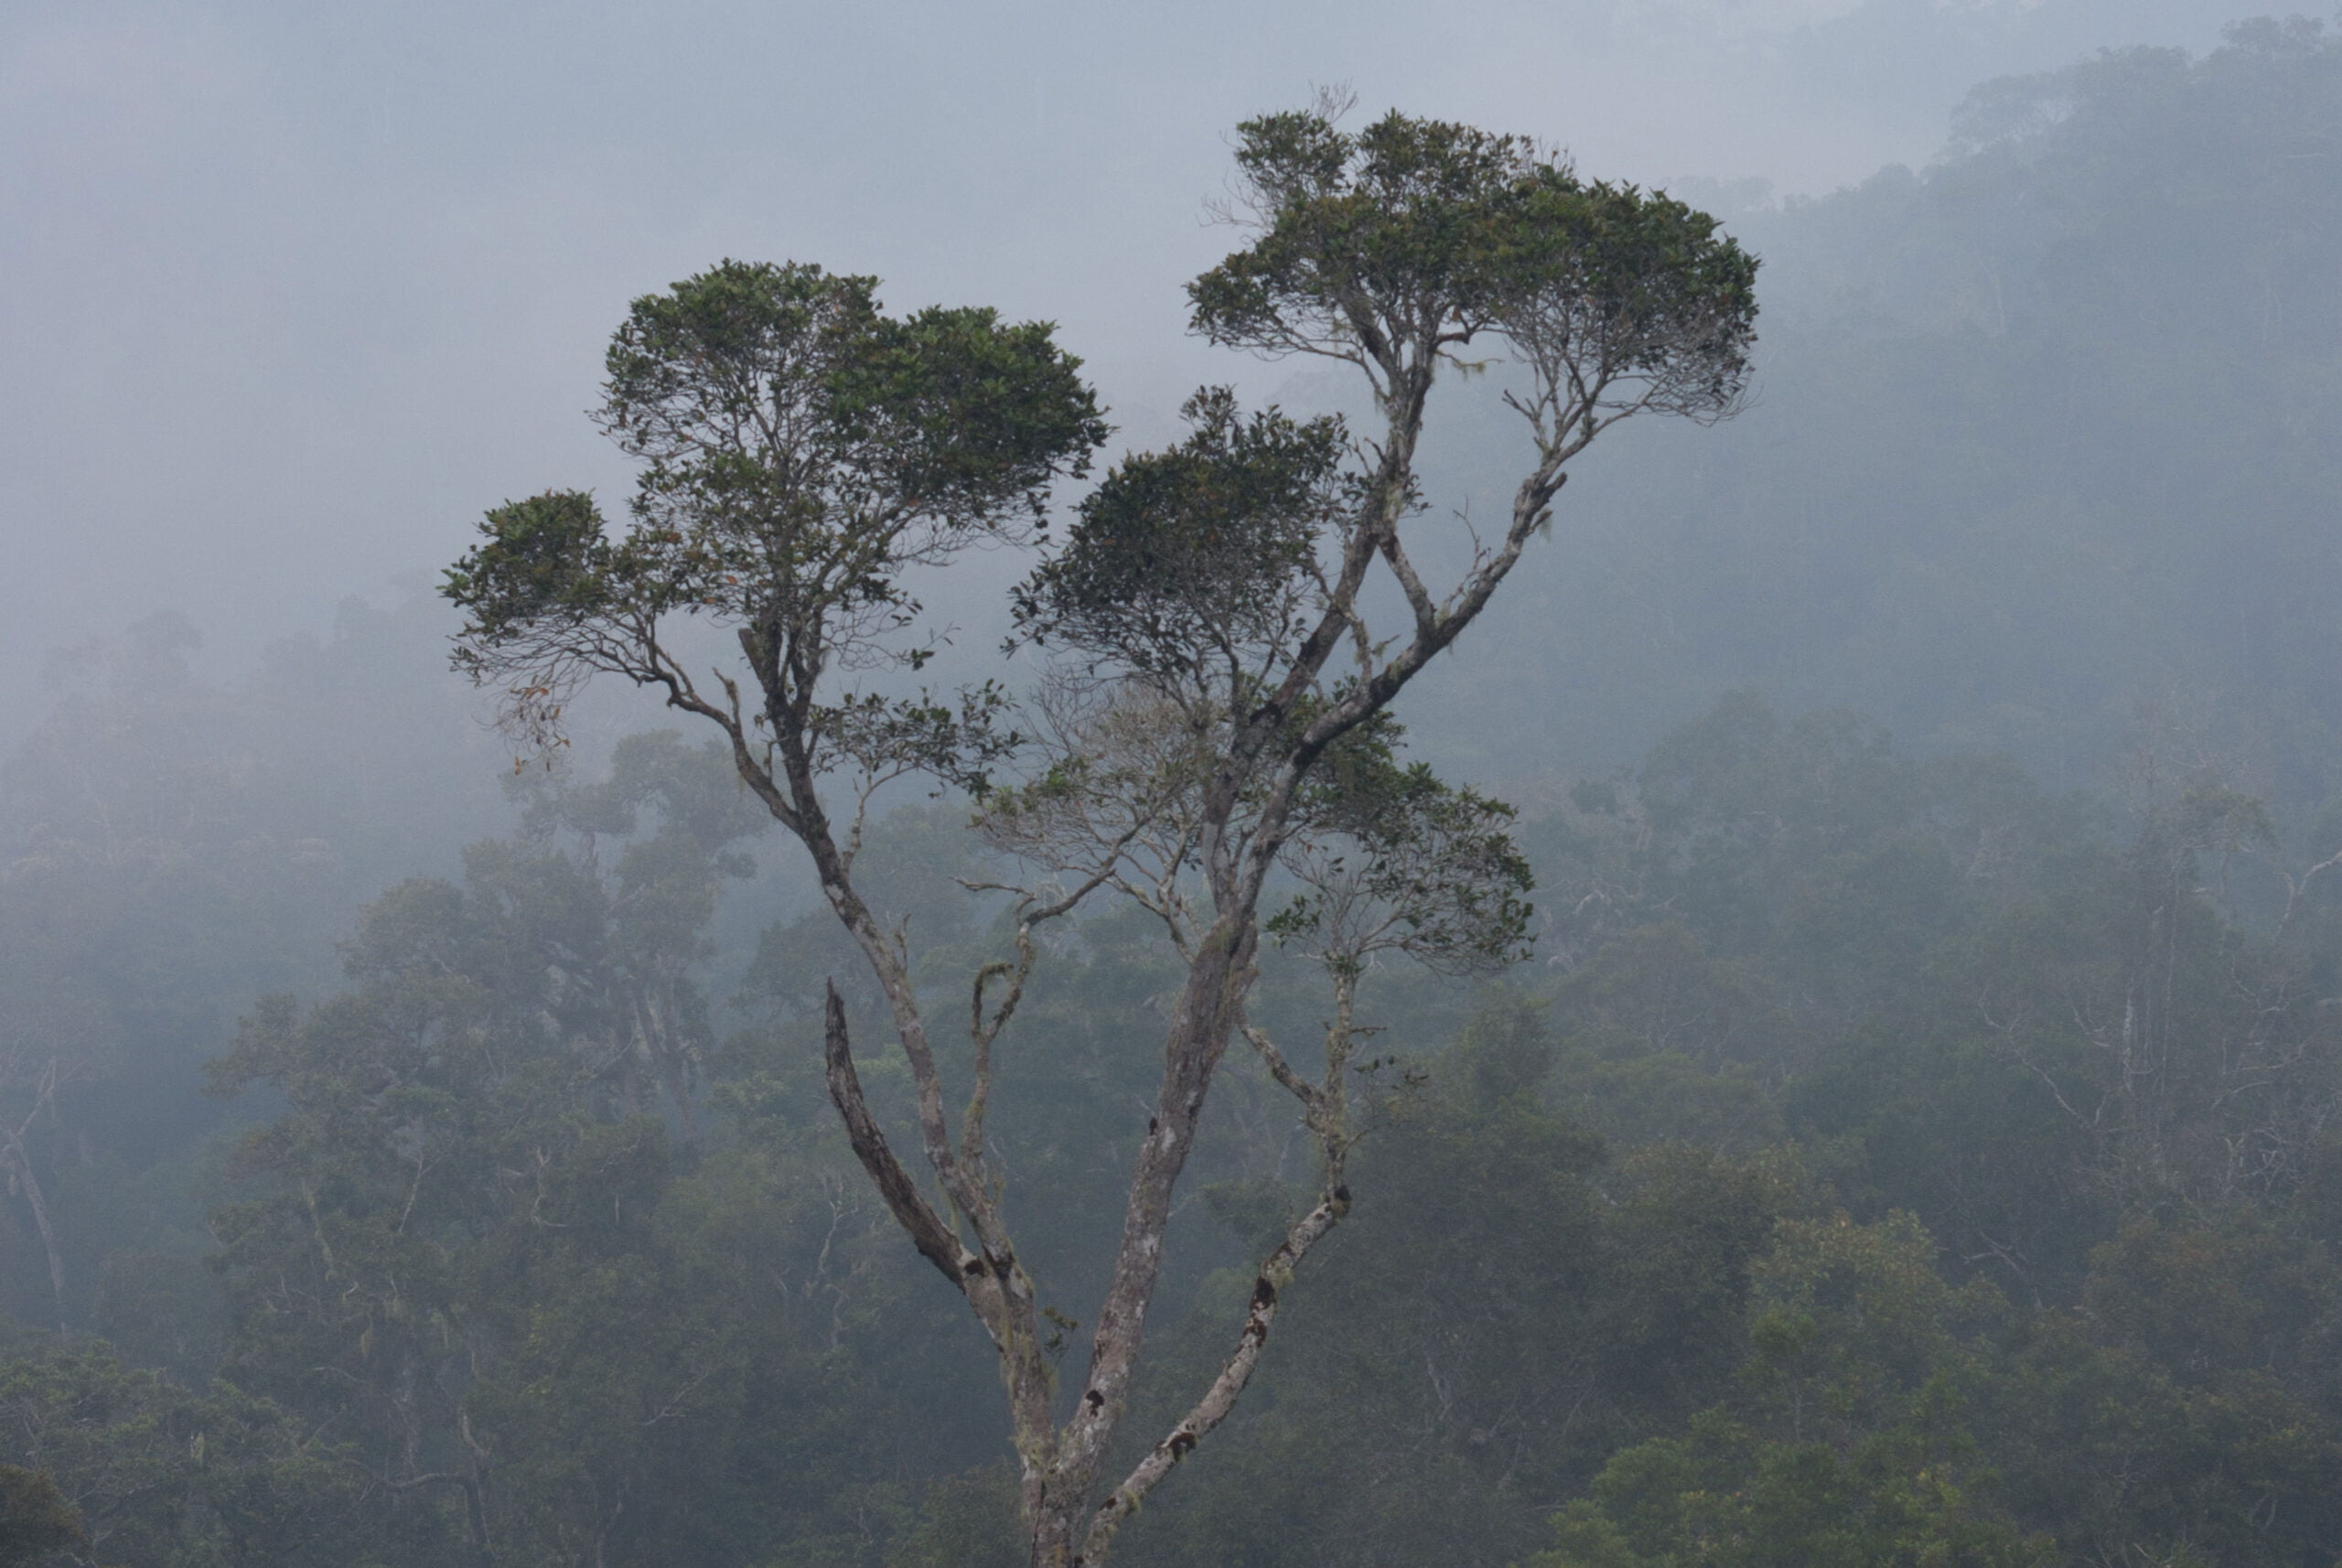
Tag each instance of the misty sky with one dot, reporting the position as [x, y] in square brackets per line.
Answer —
[290, 292]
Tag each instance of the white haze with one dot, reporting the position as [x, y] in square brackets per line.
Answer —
[293, 291]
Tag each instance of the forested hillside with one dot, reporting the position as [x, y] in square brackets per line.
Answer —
[2041, 440]
[1912, 1138]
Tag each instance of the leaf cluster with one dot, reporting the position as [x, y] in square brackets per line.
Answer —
[1201, 556]
[34, 1518]
[773, 403]
[1425, 234]
[801, 451]
[1391, 858]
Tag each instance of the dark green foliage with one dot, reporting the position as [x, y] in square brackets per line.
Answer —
[540, 1325]
[35, 1519]
[549, 561]
[1779, 1246]
[1395, 861]
[968, 1521]
[160, 1476]
[1471, 1360]
[800, 451]
[1414, 226]
[948, 415]
[1776, 929]
[1199, 556]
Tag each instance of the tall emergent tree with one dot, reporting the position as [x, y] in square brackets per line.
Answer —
[1215, 730]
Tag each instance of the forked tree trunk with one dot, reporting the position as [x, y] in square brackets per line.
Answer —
[21, 1158]
[1655, 318]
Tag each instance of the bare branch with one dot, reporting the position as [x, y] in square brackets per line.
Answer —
[1220, 1399]
[935, 1241]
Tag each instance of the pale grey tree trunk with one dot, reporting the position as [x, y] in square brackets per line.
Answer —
[21, 1158]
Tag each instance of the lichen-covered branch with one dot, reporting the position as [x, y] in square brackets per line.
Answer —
[1260, 1317]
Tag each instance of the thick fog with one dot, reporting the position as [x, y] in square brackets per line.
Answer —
[294, 292]
[1811, 1032]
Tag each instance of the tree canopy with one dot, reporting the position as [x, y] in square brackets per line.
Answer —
[1884, 1153]
[800, 453]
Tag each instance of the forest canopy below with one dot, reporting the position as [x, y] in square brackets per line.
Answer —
[1913, 1138]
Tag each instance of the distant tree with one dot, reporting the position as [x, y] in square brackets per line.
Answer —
[141, 1473]
[463, 1181]
[34, 1518]
[30, 1076]
[632, 983]
[1846, 1448]
[1217, 717]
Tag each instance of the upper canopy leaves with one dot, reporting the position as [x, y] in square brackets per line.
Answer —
[1203, 555]
[801, 452]
[1391, 246]
[779, 404]
[1390, 858]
